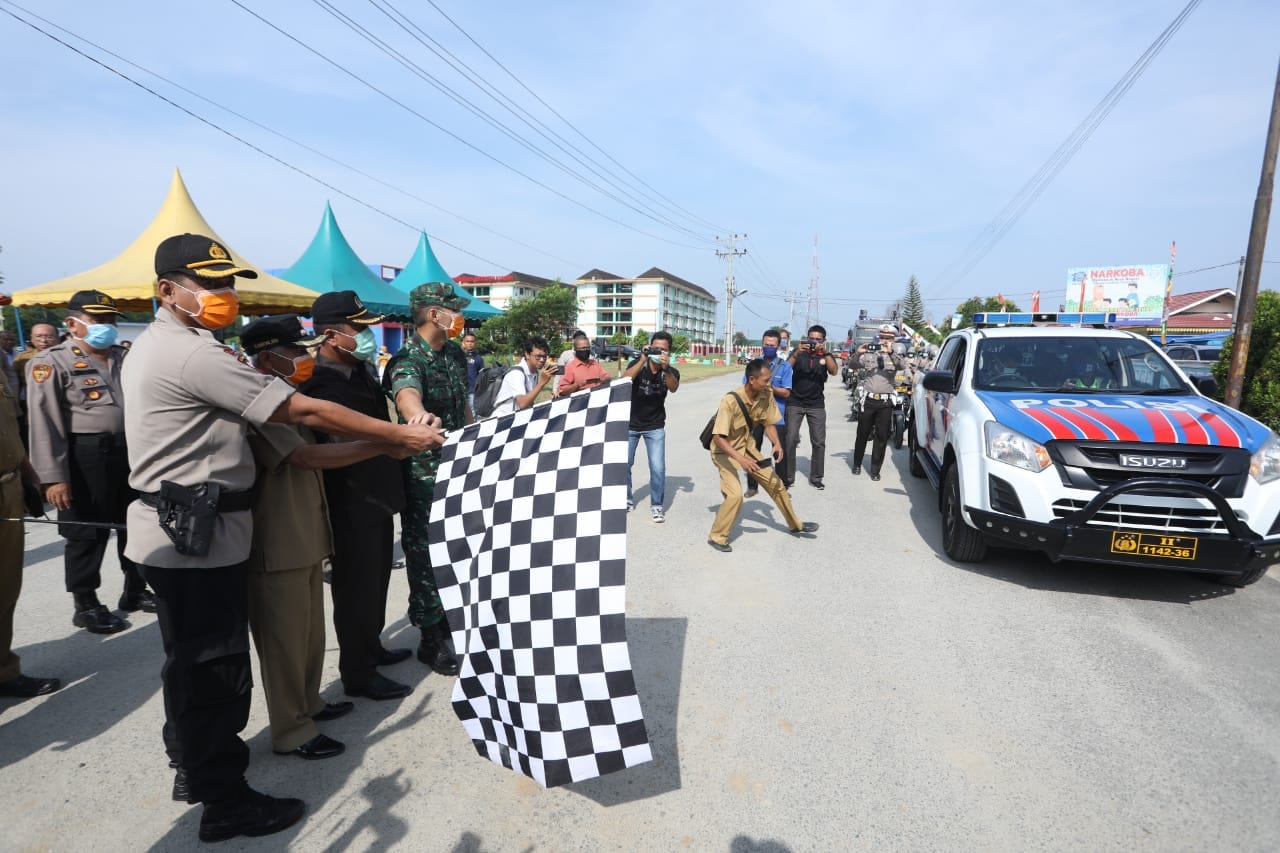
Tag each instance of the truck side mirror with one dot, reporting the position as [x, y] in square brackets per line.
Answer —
[941, 381]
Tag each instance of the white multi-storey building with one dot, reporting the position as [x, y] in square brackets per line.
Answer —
[653, 300]
[499, 290]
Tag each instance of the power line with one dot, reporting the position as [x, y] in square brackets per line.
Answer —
[568, 123]
[1025, 197]
[405, 23]
[240, 139]
[464, 102]
[459, 139]
[300, 144]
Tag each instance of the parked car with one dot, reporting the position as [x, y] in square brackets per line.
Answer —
[609, 352]
[1196, 360]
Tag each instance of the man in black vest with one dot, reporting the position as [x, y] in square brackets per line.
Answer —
[363, 498]
[811, 364]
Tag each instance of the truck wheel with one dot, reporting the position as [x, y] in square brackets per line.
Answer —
[961, 542]
[913, 463]
[1250, 577]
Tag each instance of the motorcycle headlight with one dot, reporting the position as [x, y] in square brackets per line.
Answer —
[1265, 464]
[1014, 448]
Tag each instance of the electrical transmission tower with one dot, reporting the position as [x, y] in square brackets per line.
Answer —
[811, 313]
[729, 253]
[792, 300]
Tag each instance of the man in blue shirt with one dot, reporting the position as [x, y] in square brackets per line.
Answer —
[770, 351]
[475, 363]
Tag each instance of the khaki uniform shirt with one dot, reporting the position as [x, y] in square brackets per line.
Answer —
[11, 449]
[191, 402]
[70, 392]
[731, 424]
[290, 515]
[880, 370]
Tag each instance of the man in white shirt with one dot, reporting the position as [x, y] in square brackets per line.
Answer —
[524, 382]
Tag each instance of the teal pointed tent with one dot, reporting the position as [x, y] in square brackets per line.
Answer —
[424, 267]
[330, 264]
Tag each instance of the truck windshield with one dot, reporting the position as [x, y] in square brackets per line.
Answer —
[1074, 365]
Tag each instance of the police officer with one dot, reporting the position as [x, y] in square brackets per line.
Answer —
[363, 499]
[879, 366]
[75, 414]
[429, 377]
[192, 401]
[14, 471]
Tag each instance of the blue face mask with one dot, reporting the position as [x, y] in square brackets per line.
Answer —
[366, 346]
[99, 335]
[769, 353]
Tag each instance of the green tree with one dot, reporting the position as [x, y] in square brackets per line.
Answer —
[1260, 396]
[641, 339]
[977, 305]
[550, 313]
[740, 339]
[913, 305]
[680, 343]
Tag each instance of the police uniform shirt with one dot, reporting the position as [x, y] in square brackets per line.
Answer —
[881, 369]
[191, 401]
[70, 392]
[290, 499]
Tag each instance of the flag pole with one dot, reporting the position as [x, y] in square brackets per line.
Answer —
[1168, 292]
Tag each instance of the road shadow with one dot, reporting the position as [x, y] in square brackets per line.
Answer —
[675, 485]
[47, 551]
[376, 826]
[105, 678]
[469, 842]
[745, 844]
[657, 661]
[1034, 570]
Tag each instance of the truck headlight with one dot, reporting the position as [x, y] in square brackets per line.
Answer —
[1014, 448]
[1265, 464]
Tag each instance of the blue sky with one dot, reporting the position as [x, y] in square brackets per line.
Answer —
[894, 132]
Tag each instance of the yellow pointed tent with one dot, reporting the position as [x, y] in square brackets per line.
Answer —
[130, 277]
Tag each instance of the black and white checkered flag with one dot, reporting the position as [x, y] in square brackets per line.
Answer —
[528, 537]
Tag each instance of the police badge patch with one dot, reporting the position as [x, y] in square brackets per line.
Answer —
[41, 372]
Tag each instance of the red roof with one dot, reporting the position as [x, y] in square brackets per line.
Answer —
[1185, 301]
[483, 279]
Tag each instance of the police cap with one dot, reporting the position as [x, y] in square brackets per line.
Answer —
[343, 306]
[268, 332]
[92, 302]
[197, 255]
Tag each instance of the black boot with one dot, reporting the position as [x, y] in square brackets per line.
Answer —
[248, 813]
[93, 617]
[434, 649]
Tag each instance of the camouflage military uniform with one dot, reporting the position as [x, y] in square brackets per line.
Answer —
[441, 379]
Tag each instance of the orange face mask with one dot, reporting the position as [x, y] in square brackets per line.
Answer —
[456, 326]
[303, 367]
[218, 308]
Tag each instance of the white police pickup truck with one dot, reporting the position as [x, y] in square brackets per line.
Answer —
[1087, 443]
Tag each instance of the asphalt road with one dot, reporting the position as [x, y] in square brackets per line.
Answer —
[852, 692]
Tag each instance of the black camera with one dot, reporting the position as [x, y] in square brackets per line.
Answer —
[815, 344]
[658, 351]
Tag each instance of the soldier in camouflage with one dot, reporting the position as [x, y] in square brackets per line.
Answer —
[428, 376]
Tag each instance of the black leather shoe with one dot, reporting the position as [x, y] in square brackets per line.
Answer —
[808, 527]
[320, 746]
[380, 687]
[434, 651]
[857, 469]
[249, 813]
[181, 790]
[333, 710]
[752, 492]
[817, 484]
[387, 657]
[875, 478]
[99, 620]
[26, 687]
[725, 548]
[144, 601]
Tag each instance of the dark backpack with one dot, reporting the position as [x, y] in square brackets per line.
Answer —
[708, 431]
[488, 382]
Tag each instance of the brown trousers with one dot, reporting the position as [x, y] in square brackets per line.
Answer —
[286, 616]
[11, 544]
[731, 488]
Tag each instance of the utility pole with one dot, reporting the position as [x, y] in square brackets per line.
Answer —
[792, 300]
[1239, 280]
[729, 253]
[1246, 300]
[811, 313]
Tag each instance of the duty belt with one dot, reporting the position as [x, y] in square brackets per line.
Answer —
[880, 396]
[102, 440]
[227, 501]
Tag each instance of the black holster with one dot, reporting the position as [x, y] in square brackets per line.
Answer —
[188, 515]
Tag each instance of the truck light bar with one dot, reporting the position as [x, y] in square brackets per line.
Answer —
[1098, 319]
